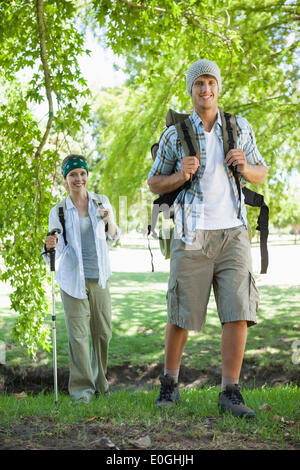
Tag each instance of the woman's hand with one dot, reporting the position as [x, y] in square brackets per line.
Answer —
[104, 213]
[107, 216]
[51, 241]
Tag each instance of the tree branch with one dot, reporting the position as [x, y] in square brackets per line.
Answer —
[189, 16]
[197, 24]
[288, 21]
[143, 7]
[254, 104]
[43, 53]
[284, 7]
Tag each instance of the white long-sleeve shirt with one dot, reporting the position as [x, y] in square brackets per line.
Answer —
[70, 274]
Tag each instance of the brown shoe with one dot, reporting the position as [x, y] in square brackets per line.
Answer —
[231, 400]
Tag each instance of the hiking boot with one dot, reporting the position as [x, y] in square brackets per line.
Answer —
[169, 392]
[231, 400]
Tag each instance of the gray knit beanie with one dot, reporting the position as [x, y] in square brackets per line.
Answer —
[202, 67]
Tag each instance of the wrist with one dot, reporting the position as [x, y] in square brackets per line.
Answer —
[184, 176]
[107, 220]
[245, 171]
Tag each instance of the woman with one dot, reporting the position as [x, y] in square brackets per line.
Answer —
[82, 276]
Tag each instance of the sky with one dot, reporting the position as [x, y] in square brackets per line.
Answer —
[98, 68]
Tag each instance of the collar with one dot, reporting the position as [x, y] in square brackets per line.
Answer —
[198, 121]
[70, 205]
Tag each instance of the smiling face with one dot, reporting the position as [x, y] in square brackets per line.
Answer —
[77, 180]
[205, 93]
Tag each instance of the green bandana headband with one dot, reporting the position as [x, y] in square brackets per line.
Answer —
[72, 163]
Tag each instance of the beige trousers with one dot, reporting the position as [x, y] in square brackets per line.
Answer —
[218, 258]
[88, 324]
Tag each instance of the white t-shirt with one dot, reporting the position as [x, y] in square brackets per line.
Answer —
[219, 208]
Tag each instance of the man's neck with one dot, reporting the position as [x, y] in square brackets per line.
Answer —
[208, 117]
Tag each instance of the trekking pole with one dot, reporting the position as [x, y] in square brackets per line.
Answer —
[52, 268]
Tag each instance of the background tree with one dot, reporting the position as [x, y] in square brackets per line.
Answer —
[40, 37]
[254, 43]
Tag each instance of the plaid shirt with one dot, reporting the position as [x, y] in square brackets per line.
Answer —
[188, 204]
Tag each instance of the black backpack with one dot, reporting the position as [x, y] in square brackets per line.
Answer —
[187, 138]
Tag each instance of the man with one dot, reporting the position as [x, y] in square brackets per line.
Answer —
[210, 245]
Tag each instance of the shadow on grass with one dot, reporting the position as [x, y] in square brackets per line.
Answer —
[125, 279]
[139, 319]
[140, 314]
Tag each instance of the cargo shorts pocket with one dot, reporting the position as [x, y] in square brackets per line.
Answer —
[172, 300]
[253, 295]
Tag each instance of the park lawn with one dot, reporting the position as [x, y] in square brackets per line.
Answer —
[139, 317]
[35, 422]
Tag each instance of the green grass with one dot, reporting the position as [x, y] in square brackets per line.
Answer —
[139, 318]
[194, 417]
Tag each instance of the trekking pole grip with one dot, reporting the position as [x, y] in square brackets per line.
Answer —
[52, 250]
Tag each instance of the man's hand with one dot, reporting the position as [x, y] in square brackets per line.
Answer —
[237, 158]
[255, 174]
[163, 184]
[189, 166]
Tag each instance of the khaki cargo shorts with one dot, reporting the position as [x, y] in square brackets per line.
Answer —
[218, 258]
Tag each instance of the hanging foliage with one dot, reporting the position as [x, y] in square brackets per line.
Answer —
[254, 43]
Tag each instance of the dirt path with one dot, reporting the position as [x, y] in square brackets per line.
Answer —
[37, 379]
[38, 434]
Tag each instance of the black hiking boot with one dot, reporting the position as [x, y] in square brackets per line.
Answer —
[169, 392]
[231, 400]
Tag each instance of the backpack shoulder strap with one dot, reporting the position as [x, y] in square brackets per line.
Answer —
[257, 200]
[187, 138]
[61, 206]
[229, 129]
[184, 130]
[97, 197]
